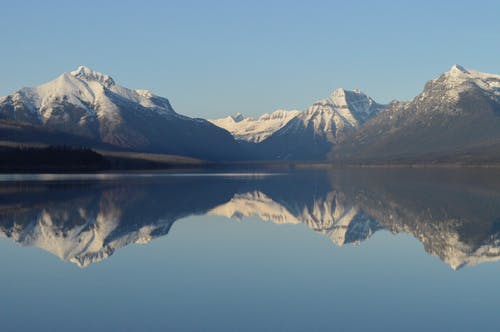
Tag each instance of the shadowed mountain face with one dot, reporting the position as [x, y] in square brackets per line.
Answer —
[454, 214]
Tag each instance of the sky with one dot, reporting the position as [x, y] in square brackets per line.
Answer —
[216, 58]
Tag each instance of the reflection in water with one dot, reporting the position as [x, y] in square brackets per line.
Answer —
[454, 214]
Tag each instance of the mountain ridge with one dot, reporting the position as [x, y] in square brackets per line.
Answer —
[455, 119]
[312, 133]
[253, 130]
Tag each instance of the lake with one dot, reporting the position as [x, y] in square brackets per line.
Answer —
[340, 250]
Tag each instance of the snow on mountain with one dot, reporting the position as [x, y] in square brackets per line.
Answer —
[454, 119]
[93, 106]
[255, 130]
[458, 79]
[443, 93]
[332, 117]
[88, 90]
[311, 134]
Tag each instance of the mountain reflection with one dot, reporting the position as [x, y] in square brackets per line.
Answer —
[454, 214]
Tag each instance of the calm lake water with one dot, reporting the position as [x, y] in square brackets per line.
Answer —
[377, 250]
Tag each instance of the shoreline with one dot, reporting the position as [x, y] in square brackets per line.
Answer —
[209, 167]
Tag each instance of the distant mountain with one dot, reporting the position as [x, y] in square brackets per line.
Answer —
[313, 132]
[255, 130]
[456, 118]
[90, 106]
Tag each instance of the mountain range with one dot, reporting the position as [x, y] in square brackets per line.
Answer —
[455, 119]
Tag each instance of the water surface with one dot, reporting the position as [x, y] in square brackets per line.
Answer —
[343, 250]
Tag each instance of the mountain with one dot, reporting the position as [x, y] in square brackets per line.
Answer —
[455, 119]
[92, 109]
[255, 130]
[311, 134]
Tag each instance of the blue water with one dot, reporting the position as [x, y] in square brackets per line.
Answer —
[201, 271]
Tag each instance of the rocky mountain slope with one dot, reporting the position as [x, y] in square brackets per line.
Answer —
[456, 118]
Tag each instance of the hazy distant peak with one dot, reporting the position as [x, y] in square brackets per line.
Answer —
[255, 130]
[238, 117]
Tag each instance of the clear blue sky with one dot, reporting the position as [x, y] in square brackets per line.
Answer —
[213, 58]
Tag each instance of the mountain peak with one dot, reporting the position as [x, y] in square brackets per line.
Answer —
[340, 92]
[458, 70]
[87, 74]
[459, 78]
[238, 117]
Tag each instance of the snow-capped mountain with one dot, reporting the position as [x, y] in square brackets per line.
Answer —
[456, 118]
[313, 132]
[90, 105]
[459, 80]
[255, 130]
